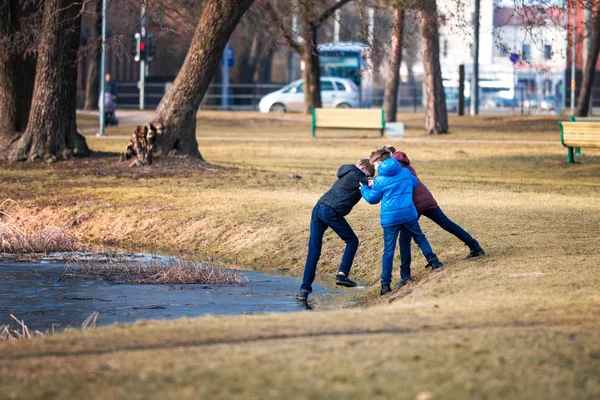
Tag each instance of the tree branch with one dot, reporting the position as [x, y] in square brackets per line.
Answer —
[329, 12]
[288, 34]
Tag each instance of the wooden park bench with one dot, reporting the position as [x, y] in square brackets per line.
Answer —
[579, 134]
[584, 119]
[348, 118]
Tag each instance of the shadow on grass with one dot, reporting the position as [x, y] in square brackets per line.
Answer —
[106, 164]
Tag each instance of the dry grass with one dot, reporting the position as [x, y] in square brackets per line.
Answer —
[21, 332]
[22, 232]
[179, 271]
[10, 334]
[520, 323]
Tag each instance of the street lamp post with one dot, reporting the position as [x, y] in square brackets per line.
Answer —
[336, 25]
[475, 78]
[573, 55]
[102, 72]
[142, 81]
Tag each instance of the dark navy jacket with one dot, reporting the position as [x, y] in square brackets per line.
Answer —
[345, 192]
[394, 187]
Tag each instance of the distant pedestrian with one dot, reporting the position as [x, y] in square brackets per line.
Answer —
[329, 212]
[110, 101]
[110, 86]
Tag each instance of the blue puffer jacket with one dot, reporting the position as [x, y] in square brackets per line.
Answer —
[394, 185]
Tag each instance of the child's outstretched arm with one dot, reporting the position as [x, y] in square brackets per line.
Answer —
[371, 195]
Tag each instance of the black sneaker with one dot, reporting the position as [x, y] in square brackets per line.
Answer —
[436, 264]
[403, 281]
[302, 295]
[476, 251]
[385, 289]
[343, 280]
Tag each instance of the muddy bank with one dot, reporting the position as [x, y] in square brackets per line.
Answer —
[41, 295]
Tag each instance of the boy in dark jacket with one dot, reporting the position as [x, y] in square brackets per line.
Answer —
[394, 187]
[329, 213]
[427, 206]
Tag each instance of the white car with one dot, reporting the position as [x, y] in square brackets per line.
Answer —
[335, 93]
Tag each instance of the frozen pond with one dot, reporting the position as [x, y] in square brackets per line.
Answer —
[40, 295]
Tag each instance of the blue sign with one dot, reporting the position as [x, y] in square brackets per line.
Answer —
[514, 58]
[228, 58]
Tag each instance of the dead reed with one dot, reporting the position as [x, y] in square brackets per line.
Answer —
[21, 332]
[178, 271]
[22, 232]
[9, 334]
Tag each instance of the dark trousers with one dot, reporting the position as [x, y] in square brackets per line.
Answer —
[322, 218]
[437, 215]
[407, 231]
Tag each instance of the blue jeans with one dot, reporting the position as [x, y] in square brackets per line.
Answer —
[407, 231]
[324, 217]
[437, 215]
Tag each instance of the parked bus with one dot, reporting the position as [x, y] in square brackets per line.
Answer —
[349, 60]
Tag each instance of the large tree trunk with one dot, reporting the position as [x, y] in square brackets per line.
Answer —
[178, 108]
[312, 71]
[92, 88]
[17, 74]
[583, 102]
[51, 132]
[436, 115]
[390, 95]
[8, 93]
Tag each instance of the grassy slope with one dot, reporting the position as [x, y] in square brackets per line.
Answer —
[519, 323]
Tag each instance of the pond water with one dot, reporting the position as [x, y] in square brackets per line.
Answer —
[39, 294]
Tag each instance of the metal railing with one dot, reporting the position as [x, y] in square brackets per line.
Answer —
[240, 97]
[410, 98]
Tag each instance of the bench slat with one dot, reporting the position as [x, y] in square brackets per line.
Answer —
[348, 124]
[581, 134]
[585, 119]
[348, 118]
[579, 141]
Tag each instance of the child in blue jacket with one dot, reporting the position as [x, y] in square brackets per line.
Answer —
[394, 187]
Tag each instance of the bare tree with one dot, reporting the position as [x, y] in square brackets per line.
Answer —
[312, 13]
[92, 92]
[51, 132]
[583, 102]
[390, 94]
[436, 114]
[255, 48]
[18, 23]
[178, 108]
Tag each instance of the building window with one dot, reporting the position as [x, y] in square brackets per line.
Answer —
[526, 52]
[547, 52]
[445, 48]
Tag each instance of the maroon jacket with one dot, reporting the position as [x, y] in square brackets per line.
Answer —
[422, 197]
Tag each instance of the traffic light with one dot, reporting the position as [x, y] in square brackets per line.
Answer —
[144, 48]
[149, 48]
